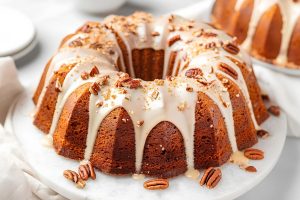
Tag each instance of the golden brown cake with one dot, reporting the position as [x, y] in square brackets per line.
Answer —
[154, 96]
[269, 29]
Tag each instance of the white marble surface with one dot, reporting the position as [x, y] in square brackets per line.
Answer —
[56, 18]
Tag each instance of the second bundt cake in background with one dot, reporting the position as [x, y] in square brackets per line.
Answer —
[154, 96]
[268, 29]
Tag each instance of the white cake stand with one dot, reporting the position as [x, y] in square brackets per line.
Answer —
[49, 166]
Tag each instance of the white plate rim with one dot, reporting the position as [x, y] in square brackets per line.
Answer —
[10, 123]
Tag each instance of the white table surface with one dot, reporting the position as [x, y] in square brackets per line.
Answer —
[56, 18]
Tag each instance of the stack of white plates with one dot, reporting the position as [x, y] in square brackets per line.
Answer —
[17, 33]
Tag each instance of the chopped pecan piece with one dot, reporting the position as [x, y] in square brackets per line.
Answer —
[86, 28]
[251, 169]
[194, 73]
[128, 82]
[155, 33]
[76, 43]
[94, 88]
[156, 184]
[262, 133]
[274, 110]
[211, 177]
[254, 154]
[173, 40]
[208, 34]
[140, 123]
[228, 70]
[231, 48]
[265, 97]
[94, 71]
[189, 89]
[84, 75]
[58, 86]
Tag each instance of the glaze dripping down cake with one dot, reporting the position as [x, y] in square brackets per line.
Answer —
[154, 96]
[269, 29]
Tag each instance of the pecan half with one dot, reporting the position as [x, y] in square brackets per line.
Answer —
[85, 171]
[156, 184]
[262, 133]
[71, 175]
[231, 48]
[194, 73]
[228, 70]
[173, 40]
[94, 71]
[274, 110]
[254, 154]
[211, 177]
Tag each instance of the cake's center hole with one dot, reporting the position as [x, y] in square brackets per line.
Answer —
[148, 64]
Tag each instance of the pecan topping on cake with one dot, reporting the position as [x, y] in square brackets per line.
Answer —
[126, 81]
[85, 171]
[96, 45]
[140, 123]
[228, 70]
[173, 40]
[155, 33]
[274, 110]
[208, 34]
[194, 73]
[94, 71]
[103, 80]
[94, 88]
[58, 86]
[182, 106]
[231, 48]
[159, 82]
[156, 184]
[76, 43]
[189, 89]
[86, 28]
[254, 154]
[84, 75]
[211, 177]
[99, 104]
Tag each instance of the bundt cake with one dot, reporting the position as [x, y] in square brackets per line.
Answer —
[269, 29]
[153, 96]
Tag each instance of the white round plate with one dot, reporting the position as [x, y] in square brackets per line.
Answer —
[26, 50]
[17, 31]
[49, 166]
[292, 72]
